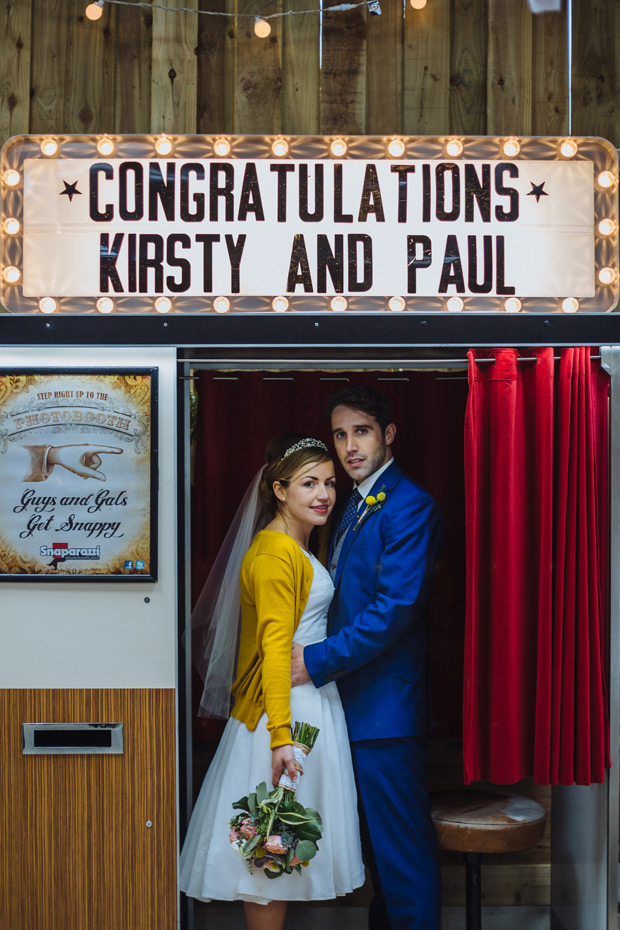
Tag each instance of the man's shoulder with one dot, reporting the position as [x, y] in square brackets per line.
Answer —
[407, 488]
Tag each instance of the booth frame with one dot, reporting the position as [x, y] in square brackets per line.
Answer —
[584, 874]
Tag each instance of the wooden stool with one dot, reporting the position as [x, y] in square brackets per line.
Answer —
[476, 822]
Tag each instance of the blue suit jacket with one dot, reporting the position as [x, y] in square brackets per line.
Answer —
[377, 647]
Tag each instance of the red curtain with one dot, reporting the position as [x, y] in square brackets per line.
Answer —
[239, 412]
[535, 701]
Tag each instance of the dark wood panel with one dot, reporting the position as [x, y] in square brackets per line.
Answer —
[550, 74]
[384, 71]
[217, 36]
[594, 69]
[468, 58]
[258, 98]
[300, 70]
[343, 73]
[76, 849]
[509, 69]
[174, 69]
[426, 87]
[133, 34]
[15, 25]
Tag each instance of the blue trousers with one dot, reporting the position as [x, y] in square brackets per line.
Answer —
[402, 856]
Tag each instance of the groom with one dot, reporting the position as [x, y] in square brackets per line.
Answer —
[382, 557]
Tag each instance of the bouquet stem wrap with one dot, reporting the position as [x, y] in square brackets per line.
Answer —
[299, 755]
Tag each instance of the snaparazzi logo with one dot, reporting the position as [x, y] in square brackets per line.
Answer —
[63, 552]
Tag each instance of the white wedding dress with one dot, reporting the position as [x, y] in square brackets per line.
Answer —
[209, 867]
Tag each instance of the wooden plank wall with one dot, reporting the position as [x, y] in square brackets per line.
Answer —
[469, 67]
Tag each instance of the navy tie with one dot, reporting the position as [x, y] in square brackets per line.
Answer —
[349, 514]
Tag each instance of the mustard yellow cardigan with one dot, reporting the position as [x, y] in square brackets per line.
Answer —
[275, 583]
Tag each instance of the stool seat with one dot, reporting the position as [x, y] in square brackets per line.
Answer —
[486, 822]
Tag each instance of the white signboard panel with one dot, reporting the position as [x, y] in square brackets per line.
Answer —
[264, 227]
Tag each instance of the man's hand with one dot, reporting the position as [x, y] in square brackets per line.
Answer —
[282, 761]
[299, 674]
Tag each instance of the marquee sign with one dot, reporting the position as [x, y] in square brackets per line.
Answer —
[203, 224]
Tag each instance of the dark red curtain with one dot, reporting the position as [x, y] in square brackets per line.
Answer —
[239, 412]
[535, 701]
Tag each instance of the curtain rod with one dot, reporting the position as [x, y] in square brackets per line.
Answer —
[346, 365]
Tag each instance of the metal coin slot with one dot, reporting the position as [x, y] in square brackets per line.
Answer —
[72, 738]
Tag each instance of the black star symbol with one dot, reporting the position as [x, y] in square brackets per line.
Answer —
[71, 190]
[537, 191]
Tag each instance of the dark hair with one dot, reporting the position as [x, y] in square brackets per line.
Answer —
[364, 398]
[282, 470]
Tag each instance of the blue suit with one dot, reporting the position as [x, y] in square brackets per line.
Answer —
[377, 650]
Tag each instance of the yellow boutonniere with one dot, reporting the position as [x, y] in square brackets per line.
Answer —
[372, 503]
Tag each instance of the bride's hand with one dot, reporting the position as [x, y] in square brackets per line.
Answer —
[282, 761]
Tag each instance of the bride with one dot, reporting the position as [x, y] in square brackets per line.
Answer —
[284, 591]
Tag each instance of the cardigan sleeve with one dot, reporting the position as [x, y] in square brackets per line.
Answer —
[274, 593]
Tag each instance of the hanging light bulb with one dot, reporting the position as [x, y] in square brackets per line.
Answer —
[418, 4]
[262, 28]
[94, 10]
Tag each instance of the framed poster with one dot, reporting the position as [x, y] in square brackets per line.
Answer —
[78, 474]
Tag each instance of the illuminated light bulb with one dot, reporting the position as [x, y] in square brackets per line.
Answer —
[262, 28]
[606, 227]
[47, 305]
[511, 147]
[94, 11]
[418, 4]
[163, 305]
[569, 148]
[163, 145]
[221, 305]
[338, 304]
[570, 305]
[606, 179]
[221, 147]
[455, 304]
[105, 305]
[49, 147]
[607, 276]
[11, 177]
[454, 147]
[338, 147]
[512, 305]
[280, 304]
[11, 274]
[279, 147]
[396, 148]
[106, 146]
[396, 304]
[11, 226]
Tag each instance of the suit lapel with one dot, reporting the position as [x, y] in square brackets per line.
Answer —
[388, 481]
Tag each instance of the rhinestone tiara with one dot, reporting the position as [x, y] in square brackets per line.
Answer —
[304, 444]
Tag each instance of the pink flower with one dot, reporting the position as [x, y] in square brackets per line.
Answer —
[295, 860]
[233, 836]
[247, 829]
[275, 845]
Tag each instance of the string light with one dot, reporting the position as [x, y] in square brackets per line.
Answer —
[11, 226]
[221, 305]
[47, 305]
[569, 148]
[570, 305]
[418, 4]
[280, 304]
[262, 28]
[94, 10]
[11, 274]
[105, 305]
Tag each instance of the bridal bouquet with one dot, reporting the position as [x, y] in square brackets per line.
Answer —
[273, 831]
